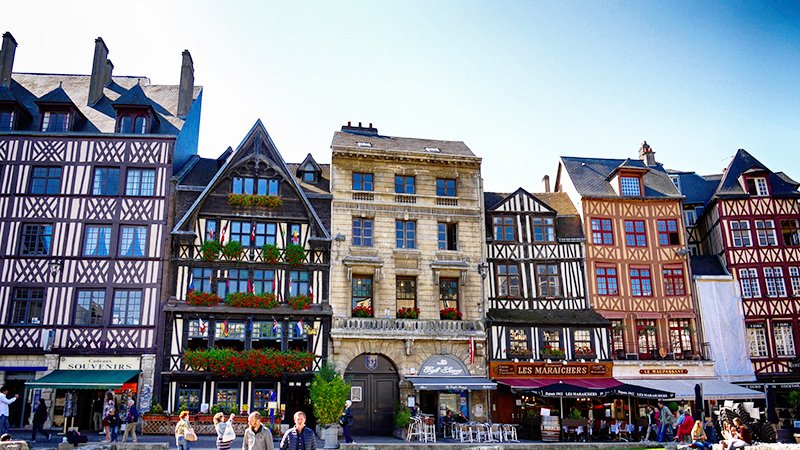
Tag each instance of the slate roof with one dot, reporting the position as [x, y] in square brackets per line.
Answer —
[57, 95]
[590, 176]
[491, 199]
[400, 144]
[27, 88]
[6, 95]
[198, 171]
[322, 187]
[548, 317]
[135, 96]
[559, 201]
[696, 188]
[707, 265]
[743, 162]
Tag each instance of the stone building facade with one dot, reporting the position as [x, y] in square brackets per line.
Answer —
[407, 232]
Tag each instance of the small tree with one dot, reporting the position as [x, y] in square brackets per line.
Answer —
[328, 393]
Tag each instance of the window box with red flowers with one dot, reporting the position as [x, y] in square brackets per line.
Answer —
[210, 249]
[584, 351]
[408, 313]
[450, 314]
[548, 351]
[300, 301]
[250, 201]
[233, 250]
[265, 362]
[200, 298]
[270, 253]
[295, 254]
[362, 311]
[265, 300]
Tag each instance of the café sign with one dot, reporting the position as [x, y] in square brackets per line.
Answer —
[443, 366]
[545, 370]
[99, 363]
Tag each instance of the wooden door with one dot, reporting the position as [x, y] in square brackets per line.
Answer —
[375, 377]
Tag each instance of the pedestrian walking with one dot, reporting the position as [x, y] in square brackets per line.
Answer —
[183, 429]
[257, 436]
[108, 406]
[112, 422]
[299, 437]
[346, 421]
[131, 419]
[97, 412]
[39, 418]
[4, 402]
[667, 421]
[225, 431]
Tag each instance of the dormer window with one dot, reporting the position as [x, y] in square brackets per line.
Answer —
[309, 177]
[757, 186]
[132, 123]
[55, 121]
[140, 126]
[7, 120]
[630, 186]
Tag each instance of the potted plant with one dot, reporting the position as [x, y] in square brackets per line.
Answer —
[200, 298]
[450, 314]
[362, 311]
[210, 249]
[402, 416]
[328, 393]
[295, 254]
[232, 250]
[408, 313]
[264, 300]
[271, 253]
[548, 351]
[300, 301]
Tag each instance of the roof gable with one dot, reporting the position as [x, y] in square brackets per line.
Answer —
[590, 176]
[522, 201]
[744, 163]
[309, 165]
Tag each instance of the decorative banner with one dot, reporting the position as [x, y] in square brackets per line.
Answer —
[550, 370]
[472, 350]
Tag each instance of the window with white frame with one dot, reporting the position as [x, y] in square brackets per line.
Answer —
[757, 186]
[544, 229]
[133, 241]
[776, 287]
[748, 280]
[757, 339]
[140, 182]
[740, 232]
[690, 218]
[794, 277]
[784, 340]
[629, 186]
[765, 230]
[127, 307]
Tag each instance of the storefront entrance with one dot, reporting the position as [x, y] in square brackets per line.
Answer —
[374, 394]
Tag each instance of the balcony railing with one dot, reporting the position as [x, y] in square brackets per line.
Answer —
[253, 255]
[405, 328]
[413, 199]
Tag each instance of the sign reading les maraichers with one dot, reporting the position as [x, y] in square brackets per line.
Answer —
[545, 370]
[99, 363]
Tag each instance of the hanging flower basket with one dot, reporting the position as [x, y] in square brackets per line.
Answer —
[362, 311]
[450, 314]
[200, 298]
[250, 201]
[295, 254]
[266, 362]
[271, 253]
[232, 250]
[300, 302]
[408, 313]
[265, 300]
[209, 250]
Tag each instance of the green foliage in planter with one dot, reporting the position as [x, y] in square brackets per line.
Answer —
[271, 253]
[209, 250]
[328, 393]
[215, 409]
[233, 409]
[156, 408]
[300, 302]
[362, 311]
[794, 402]
[249, 201]
[227, 362]
[265, 300]
[232, 250]
[295, 254]
[402, 415]
[183, 407]
[449, 314]
[408, 313]
[199, 298]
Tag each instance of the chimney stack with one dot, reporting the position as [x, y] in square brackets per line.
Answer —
[107, 74]
[546, 181]
[7, 58]
[98, 78]
[186, 88]
[647, 154]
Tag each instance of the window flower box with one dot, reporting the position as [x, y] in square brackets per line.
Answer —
[362, 311]
[295, 254]
[548, 351]
[584, 351]
[265, 300]
[199, 298]
[232, 250]
[300, 302]
[450, 314]
[209, 250]
[408, 313]
[226, 362]
[271, 253]
[250, 201]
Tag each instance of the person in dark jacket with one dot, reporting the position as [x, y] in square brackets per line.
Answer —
[347, 421]
[299, 437]
[39, 418]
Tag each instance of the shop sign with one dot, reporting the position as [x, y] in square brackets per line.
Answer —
[441, 366]
[99, 363]
[544, 370]
[663, 371]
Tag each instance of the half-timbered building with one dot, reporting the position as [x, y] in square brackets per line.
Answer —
[752, 222]
[405, 287]
[84, 189]
[249, 282]
[538, 312]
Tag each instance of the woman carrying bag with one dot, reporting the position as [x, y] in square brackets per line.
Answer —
[225, 431]
[184, 433]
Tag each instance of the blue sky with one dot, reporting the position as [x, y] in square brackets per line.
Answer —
[521, 83]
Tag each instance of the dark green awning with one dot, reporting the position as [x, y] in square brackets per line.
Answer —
[83, 379]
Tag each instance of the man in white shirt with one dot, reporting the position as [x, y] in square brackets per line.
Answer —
[4, 402]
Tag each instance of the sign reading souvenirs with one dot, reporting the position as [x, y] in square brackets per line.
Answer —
[99, 363]
[663, 371]
[545, 370]
[442, 366]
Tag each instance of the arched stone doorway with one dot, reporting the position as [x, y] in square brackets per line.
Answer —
[375, 378]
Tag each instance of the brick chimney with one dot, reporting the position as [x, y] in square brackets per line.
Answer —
[7, 58]
[546, 181]
[186, 88]
[99, 68]
[647, 154]
[360, 129]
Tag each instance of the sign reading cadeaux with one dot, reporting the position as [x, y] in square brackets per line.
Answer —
[545, 370]
[99, 363]
[443, 366]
